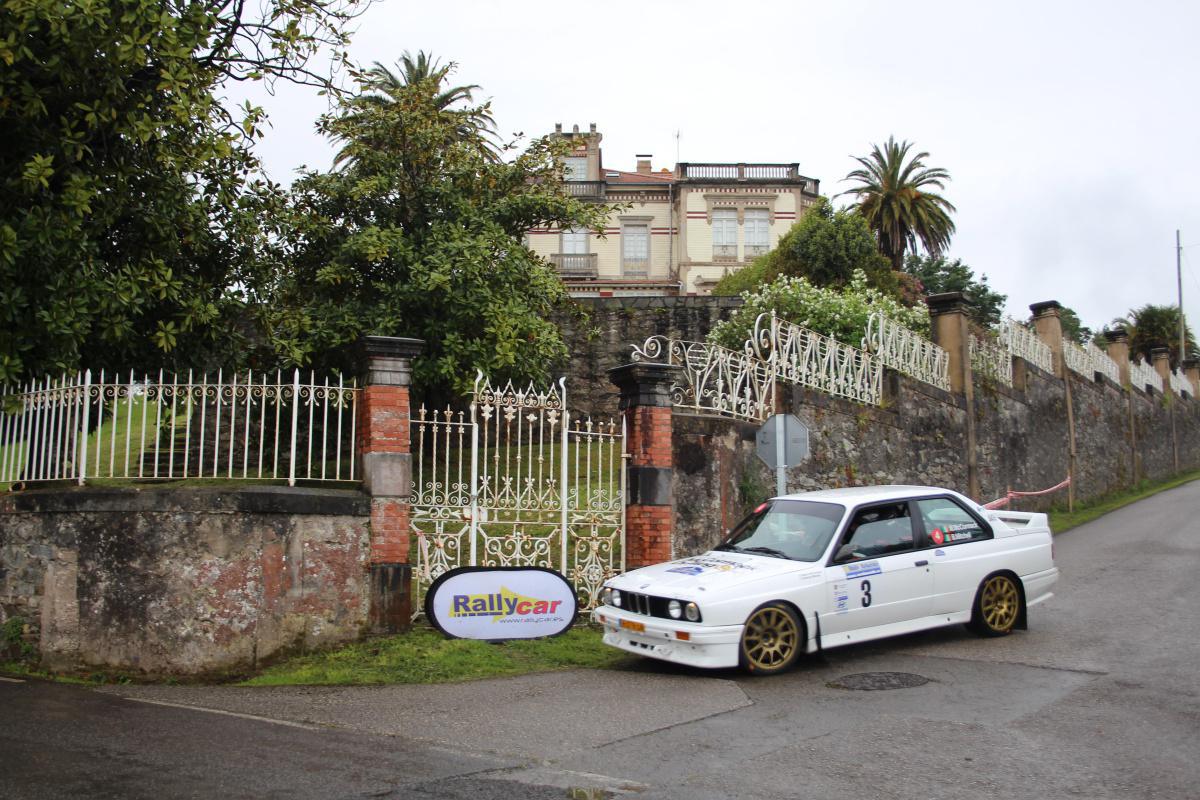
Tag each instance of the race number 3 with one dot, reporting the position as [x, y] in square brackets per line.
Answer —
[866, 593]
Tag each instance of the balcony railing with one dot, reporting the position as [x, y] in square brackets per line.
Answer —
[748, 172]
[585, 189]
[575, 265]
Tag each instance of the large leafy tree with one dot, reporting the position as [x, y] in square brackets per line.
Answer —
[825, 247]
[420, 233]
[1151, 327]
[938, 274]
[895, 194]
[130, 209]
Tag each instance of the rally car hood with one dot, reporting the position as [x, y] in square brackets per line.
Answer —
[714, 570]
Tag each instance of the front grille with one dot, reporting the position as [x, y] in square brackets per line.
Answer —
[645, 604]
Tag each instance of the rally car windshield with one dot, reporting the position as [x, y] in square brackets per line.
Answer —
[795, 529]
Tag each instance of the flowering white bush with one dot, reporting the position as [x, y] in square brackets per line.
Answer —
[839, 313]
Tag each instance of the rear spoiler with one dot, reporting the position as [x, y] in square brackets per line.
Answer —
[1021, 519]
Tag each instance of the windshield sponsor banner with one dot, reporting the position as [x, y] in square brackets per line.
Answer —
[495, 603]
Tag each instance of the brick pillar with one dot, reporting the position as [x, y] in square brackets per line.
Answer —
[383, 444]
[1161, 360]
[951, 332]
[650, 501]
[1118, 351]
[1047, 323]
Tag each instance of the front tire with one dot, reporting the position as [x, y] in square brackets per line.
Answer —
[997, 606]
[772, 640]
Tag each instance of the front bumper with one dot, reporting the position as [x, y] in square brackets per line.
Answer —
[705, 646]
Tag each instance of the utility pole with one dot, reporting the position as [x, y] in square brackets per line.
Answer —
[1179, 283]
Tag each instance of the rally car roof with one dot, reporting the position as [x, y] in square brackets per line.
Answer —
[854, 495]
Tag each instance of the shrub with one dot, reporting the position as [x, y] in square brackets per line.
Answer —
[839, 313]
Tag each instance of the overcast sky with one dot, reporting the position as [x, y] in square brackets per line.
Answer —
[1070, 128]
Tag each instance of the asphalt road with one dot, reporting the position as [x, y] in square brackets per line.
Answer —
[1099, 699]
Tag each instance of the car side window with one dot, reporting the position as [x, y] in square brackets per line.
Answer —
[876, 531]
[946, 522]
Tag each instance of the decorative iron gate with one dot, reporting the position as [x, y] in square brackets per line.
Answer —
[516, 480]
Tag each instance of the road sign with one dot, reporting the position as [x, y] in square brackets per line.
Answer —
[795, 440]
[782, 442]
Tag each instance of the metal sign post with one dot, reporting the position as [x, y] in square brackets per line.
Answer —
[782, 441]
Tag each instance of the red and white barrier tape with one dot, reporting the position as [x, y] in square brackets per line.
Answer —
[1009, 496]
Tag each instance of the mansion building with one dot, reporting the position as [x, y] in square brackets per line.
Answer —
[677, 232]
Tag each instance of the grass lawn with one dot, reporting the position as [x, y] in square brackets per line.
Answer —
[1061, 520]
[425, 656]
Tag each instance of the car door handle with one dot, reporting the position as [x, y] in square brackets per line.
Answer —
[922, 563]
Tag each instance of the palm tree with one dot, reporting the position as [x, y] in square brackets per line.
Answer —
[427, 74]
[1151, 327]
[895, 198]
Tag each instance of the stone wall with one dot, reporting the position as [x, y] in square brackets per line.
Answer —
[600, 334]
[919, 436]
[183, 581]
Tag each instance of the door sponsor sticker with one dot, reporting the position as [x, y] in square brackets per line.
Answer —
[497, 603]
[862, 569]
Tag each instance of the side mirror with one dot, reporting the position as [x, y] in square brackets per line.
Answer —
[844, 552]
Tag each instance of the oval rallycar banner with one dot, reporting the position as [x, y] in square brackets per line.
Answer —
[494, 603]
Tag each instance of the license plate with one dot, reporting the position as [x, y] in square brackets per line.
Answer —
[629, 624]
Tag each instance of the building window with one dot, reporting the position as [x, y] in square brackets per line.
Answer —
[576, 168]
[635, 248]
[724, 233]
[575, 241]
[757, 231]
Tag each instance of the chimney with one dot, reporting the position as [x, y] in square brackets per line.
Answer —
[593, 127]
[558, 127]
[643, 164]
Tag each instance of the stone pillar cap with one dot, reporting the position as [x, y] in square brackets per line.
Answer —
[1191, 363]
[1160, 352]
[1116, 335]
[391, 347]
[644, 383]
[947, 303]
[1045, 307]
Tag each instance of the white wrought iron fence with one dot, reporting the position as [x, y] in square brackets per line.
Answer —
[1180, 384]
[1076, 359]
[1090, 360]
[515, 480]
[1024, 343]
[991, 359]
[798, 355]
[1103, 364]
[907, 351]
[715, 380]
[240, 426]
[1142, 375]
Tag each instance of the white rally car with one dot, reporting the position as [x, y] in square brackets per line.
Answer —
[822, 569]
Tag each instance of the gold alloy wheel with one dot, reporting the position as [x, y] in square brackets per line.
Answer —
[999, 603]
[770, 640]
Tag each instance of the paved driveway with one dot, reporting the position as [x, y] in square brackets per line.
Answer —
[1099, 699]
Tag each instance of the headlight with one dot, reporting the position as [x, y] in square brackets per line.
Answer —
[674, 609]
[616, 598]
[693, 612]
[606, 596]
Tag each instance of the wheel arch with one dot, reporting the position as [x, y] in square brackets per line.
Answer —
[799, 612]
[1022, 622]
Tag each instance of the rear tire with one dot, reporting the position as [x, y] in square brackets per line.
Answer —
[998, 606]
[772, 640]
